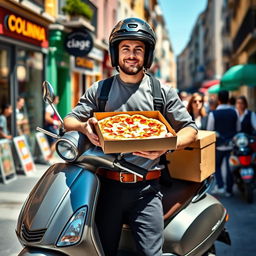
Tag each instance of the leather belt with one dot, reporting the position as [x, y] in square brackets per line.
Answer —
[125, 177]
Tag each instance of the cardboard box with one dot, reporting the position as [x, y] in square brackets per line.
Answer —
[125, 146]
[197, 161]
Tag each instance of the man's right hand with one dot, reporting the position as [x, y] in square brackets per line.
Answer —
[88, 129]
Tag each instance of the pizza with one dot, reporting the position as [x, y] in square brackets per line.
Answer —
[125, 127]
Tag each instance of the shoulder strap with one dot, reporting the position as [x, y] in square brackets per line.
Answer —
[157, 95]
[103, 98]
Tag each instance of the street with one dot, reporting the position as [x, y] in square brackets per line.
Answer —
[241, 224]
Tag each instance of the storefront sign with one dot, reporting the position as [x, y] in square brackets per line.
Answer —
[21, 28]
[86, 63]
[79, 43]
[7, 168]
[24, 155]
[43, 145]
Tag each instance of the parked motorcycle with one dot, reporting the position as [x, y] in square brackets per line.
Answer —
[242, 162]
[58, 217]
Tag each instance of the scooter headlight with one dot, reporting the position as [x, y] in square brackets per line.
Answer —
[242, 141]
[73, 231]
[66, 150]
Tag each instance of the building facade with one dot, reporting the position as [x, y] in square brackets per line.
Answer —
[24, 50]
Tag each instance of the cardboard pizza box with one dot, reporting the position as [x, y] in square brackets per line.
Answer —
[126, 146]
[197, 161]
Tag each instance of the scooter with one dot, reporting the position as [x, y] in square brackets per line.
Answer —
[242, 163]
[58, 216]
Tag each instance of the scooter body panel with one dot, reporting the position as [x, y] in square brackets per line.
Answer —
[63, 190]
[194, 229]
[190, 232]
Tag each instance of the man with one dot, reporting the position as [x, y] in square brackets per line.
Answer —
[225, 122]
[52, 124]
[22, 120]
[132, 44]
[5, 113]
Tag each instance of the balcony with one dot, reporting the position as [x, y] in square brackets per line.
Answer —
[247, 27]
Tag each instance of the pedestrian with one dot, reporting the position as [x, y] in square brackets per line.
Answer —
[184, 97]
[197, 110]
[246, 116]
[6, 111]
[21, 117]
[225, 122]
[132, 42]
[52, 124]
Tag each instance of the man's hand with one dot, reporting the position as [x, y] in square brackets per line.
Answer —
[88, 130]
[152, 155]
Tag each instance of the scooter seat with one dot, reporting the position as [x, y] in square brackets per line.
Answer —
[176, 195]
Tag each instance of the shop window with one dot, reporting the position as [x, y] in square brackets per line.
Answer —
[29, 71]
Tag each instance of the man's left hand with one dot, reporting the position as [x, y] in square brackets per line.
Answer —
[152, 155]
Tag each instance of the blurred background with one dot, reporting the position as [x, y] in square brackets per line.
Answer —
[203, 46]
[197, 42]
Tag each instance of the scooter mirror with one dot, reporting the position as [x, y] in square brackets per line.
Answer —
[48, 92]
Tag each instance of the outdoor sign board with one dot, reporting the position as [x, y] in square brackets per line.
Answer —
[43, 145]
[7, 167]
[24, 155]
[79, 43]
[19, 27]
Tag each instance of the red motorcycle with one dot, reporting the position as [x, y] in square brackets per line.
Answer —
[242, 163]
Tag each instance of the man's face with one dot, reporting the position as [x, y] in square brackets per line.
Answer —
[131, 56]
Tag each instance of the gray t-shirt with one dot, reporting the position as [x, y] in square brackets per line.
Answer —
[134, 97]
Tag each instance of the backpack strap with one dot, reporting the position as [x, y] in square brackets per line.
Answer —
[157, 95]
[103, 98]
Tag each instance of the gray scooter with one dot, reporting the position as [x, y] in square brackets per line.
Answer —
[57, 219]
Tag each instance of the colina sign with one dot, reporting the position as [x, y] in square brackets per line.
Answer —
[79, 43]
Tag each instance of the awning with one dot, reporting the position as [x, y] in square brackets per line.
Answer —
[210, 83]
[239, 75]
[216, 88]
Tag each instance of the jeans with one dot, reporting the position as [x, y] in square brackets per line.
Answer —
[140, 206]
[220, 156]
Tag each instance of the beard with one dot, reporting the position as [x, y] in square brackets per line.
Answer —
[130, 69]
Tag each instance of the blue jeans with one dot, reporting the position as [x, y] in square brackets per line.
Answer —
[220, 156]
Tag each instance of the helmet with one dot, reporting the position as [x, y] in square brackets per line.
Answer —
[132, 29]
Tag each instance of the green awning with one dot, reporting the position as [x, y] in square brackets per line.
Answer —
[214, 89]
[239, 75]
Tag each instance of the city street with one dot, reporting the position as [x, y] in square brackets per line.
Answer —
[241, 224]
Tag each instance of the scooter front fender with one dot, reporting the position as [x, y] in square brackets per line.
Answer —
[30, 251]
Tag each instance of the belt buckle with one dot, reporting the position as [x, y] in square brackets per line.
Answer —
[121, 177]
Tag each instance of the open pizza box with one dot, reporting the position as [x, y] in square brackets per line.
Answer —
[148, 144]
[197, 161]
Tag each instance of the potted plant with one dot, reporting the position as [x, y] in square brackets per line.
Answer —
[76, 8]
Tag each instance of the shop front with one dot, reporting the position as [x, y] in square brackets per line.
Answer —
[23, 51]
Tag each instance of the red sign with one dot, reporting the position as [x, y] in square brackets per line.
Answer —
[18, 27]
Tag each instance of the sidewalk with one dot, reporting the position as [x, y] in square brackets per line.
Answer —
[12, 196]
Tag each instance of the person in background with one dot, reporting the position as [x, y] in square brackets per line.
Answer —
[232, 101]
[246, 117]
[184, 97]
[6, 111]
[225, 122]
[52, 124]
[22, 120]
[197, 110]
